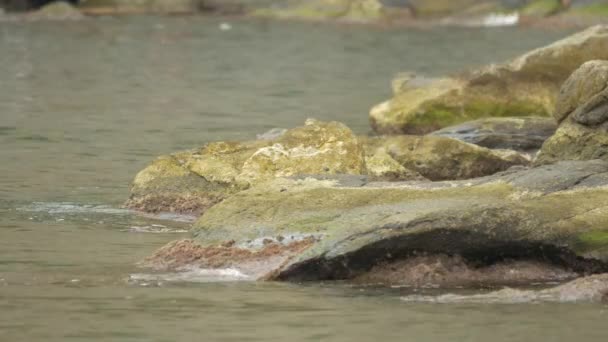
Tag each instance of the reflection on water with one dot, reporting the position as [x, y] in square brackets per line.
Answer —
[84, 106]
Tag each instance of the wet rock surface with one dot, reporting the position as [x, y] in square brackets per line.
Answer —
[550, 215]
[586, 289]
[526, 86]
[453, 271]
[526, 134]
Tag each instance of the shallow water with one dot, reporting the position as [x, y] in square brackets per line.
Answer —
[84, 106]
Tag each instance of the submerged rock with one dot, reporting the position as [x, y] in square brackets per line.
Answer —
[526, 134]
[582, 110]
[556, 214]
[523, 87]
[586, 289]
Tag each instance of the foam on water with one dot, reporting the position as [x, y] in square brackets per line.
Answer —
[72, 208]
[190, 274]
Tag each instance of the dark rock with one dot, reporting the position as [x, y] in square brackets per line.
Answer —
[525, 134]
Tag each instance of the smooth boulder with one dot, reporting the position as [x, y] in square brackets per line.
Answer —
[526, 86]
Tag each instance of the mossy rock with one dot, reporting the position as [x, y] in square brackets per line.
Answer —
[343, 10]
[141, 6]
[167, 186]
[56, 11]
[441, 158]
[596, 8]
[542, 8]
[583, 113]
[219, 169]
[526, 86]
[443, 8]
[557, 212]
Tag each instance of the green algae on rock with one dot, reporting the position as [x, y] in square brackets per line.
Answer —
[542, 7]
[556, 214]
[224, 7]
[192, 181]
[582, 109]
[347, 10]
[526, 134]
[441, 158]
[592, 288]
[167, 186]
[56, 11]
[315, 148]
[523, 87]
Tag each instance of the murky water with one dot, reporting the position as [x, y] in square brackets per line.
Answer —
[85, 105]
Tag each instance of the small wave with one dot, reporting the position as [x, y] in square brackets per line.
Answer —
[191, 275]
[504, 296]
[170, 217]
[72, 208]
[154, 228]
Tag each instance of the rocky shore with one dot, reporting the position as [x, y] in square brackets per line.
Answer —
[499, 201]
[548, 13]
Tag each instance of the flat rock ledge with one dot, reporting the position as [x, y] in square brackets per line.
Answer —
[523, 225]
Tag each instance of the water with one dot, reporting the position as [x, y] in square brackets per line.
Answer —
[84, 106]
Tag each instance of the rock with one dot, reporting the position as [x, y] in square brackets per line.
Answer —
[382, 167]
[543, 8]
[346, 10]
[192, 181]
[444, 8]
[582, 110]
[97, 7]
[526, 86]
[167, 186]
[555, 214]
[56, 11]
[526, 134]
[454, 271]
[586, 289]
[440, 158]
[315, 148]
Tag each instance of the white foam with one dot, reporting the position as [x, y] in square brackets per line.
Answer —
[497, 20]
[191, 274]
[72, 208]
